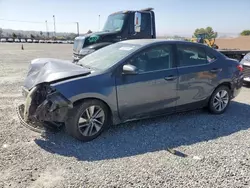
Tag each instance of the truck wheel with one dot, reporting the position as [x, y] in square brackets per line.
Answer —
[74, 61]
[219, 100]
[87, 120]
[246, 83]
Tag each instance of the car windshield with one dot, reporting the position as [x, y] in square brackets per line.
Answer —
[114, 22]
[108, 56]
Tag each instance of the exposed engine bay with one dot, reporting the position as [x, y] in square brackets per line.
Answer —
[43, 104]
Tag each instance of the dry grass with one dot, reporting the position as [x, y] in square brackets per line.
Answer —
[242, 43]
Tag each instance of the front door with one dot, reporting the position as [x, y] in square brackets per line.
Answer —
[153, 89]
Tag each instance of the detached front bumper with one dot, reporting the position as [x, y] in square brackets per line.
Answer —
[40, 127]
[49, 114]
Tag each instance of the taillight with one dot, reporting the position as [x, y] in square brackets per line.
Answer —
[240, 68]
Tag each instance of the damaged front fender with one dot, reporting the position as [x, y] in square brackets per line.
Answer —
[43, 103]
[54, 108]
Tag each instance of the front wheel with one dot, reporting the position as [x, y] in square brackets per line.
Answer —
[219, 100]
[87, 120]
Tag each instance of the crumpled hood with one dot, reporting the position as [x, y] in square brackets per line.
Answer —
[48, 70]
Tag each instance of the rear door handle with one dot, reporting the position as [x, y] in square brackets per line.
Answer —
[215, 70]
[170, 78]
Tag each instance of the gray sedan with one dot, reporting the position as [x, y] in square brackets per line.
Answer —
[125, 81]
[246, 66]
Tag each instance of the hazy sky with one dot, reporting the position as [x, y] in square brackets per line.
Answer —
[172, 16]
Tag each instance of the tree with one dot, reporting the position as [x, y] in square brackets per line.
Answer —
[89, 31]
[41, 35]
[245, 33]
[210, 33]
[14, 35]
[32, 36]
[48, 35]
[1, 32]
[71, 36]
[60, 38]
[8, 34]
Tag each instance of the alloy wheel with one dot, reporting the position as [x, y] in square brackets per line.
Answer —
[221, 100]
[91, 121]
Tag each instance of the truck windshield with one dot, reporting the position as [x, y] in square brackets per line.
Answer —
[108, 56]
[114, 22]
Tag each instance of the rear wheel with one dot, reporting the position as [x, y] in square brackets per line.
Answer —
[219, 100]
[87, 120]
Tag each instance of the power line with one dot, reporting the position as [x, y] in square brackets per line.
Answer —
[20, 21]
[36, 21]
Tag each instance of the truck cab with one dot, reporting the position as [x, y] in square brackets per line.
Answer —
[123, 25]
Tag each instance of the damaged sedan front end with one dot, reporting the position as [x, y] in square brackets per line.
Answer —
[45, 107]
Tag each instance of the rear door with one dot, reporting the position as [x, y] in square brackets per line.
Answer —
[198, 75]
[153, 89]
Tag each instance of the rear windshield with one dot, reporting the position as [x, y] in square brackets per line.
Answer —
[106, 57]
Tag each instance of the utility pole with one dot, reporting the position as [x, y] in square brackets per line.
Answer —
[77, 28]
[47, 31]
[99, 22]
[54, 25]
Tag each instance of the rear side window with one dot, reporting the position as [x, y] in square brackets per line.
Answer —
[210, 57]
[190, 55]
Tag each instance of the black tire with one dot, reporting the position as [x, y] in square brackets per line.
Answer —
[211, 106]
[246, 84]
[71, 124]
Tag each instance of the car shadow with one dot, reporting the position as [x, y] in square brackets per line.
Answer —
[151, 135]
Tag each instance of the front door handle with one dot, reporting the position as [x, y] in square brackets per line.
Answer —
[215, 70]
[170, 78]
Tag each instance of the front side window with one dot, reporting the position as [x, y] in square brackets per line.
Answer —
[114, 22]
[211, 57]
[190, 55]
[153, 59]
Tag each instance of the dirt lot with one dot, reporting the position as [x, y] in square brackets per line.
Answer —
[130, 155]
[242, 43]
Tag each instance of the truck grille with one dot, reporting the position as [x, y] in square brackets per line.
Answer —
[246, 71]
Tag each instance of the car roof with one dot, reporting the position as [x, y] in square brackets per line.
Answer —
[144, 42]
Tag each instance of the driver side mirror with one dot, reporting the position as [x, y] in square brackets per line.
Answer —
[129, 69]
[137, 22]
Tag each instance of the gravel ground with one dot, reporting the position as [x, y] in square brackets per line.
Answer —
[211, 151]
